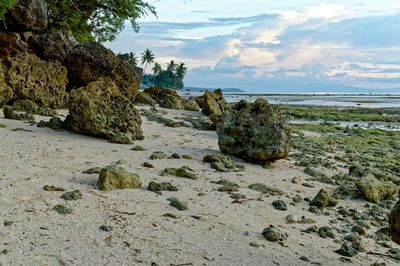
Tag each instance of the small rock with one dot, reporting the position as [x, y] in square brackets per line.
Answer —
[266, 190]
[227, 186]
[121, 138]
[53, 188]
[347, 250]
[8, 223]
[223, 163]
[314, 172]
[61, 209]
[292, 219]
[171, 215]
[138, 148]
[158, 155]
[184, 172]
[254, 244]
[279, 205]
[323, 199]
[115, 177]
[73, 195]
[326, 231]
[122, 161]
[359, 230]
[93, 170]
[297, 180]
[187, 157]
[148, 165]
[176, 203]
[175, 156]
[164, 186]
[106, 228]
[272, 234]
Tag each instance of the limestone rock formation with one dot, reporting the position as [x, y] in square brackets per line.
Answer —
[99, 109]
[89, 62]
[190, 104]
[144, 99]
[36, 80]
[166, 98]
[255, 132]
[26, 15]
[394, 223]
[213, 102]
[375, 190]
[116, 177]
[6, 93]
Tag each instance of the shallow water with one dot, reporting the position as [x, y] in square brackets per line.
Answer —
[366, 101]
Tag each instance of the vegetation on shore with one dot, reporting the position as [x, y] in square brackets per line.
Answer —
[5, 5]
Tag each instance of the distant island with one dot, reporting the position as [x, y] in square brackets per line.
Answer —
[201, 89]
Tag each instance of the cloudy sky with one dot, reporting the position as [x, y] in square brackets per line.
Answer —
[276, 46]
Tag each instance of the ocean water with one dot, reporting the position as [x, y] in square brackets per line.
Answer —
[366, 101]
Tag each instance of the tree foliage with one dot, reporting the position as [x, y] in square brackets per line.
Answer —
[172, 77]
[5, 5]
[96, 19]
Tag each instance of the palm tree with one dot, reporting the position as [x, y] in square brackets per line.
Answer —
[156, 70]
[132, 59]
[181, 71]
[148, 58]
[171, 67]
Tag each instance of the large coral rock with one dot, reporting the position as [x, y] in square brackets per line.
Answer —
[10, 44]
[53, 46]
[214, 103]
[27, 15]
[88, 62]
[144, 99]
[375, 190]
[99, 109]
[394, 223]
[190, 104]
[41, 82]
[115, 177]
[166, 98]
[255, 132]
[6, 93]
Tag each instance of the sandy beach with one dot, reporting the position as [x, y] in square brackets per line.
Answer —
[213, 231]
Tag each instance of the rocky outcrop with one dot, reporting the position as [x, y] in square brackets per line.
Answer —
[11, 44]
[89, 62]
[144, 99]
[375, 190]
[213, 102]
[26, 15]
[6, 93]
[100, 109]
[394, 223]
[54, 46]
[33, 79]
[190, 104]
[255, 132]
[166, 98]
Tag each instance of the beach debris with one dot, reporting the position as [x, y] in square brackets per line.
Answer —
[158, 155]
[73, 195]
[273, 234]
[184, 171]
[266, 189]
[279, 205]
[63, 210]
[255, 132]
[53, 188]
[223, 163]
[178, 204]
[115, 177]
[375, 190]
[163, 186]
[324, 199]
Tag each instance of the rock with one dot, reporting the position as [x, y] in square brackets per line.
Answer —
[357, 171]
[359, 230]
[121, 161]
[347, 250]
[32, 108]
[375, 190]
[54, 123]
[213, 102]
[223, 163]
[11, 44]
[41, 82]
[158, 155]
[26, 15]
[394, 223]
[297, 180]
[227, 186]
[73, 195]
[184, 172]
[116, 177]
[93, 170]
[190, 104]
[255, 132]
[122, 138]
[272, 234]
[100, 110]
[153, 116]
[187, 157]
[165, 98]
[164, 186]
[279, 205]
[360, 246]
[326, 231]
[106, 228]
[144, 99]
[138, 148]
[6, 93]
[148, 165]
[53, 46]
[177, 204]
[8, 223]
[9, 113]
[174, 156]
[61, 209]
[89, 62]
[324, 199]
[53, 188]
[266, 190]
[314, 172]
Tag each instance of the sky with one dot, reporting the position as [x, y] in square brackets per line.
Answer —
[287, 46]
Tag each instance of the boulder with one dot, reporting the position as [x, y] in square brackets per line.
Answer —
[394, 223]
[213, 102]
[91, 61]
[6, 93]
[26, 15]
[115, 177]
[41, 82]
[11, 44]
[190, 104]
[375, 190]
[144, 99]
[324, 199]
[53, 46]
[166, 98]
[100, 110]
[255, 132]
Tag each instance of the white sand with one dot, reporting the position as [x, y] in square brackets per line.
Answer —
[141, 235]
